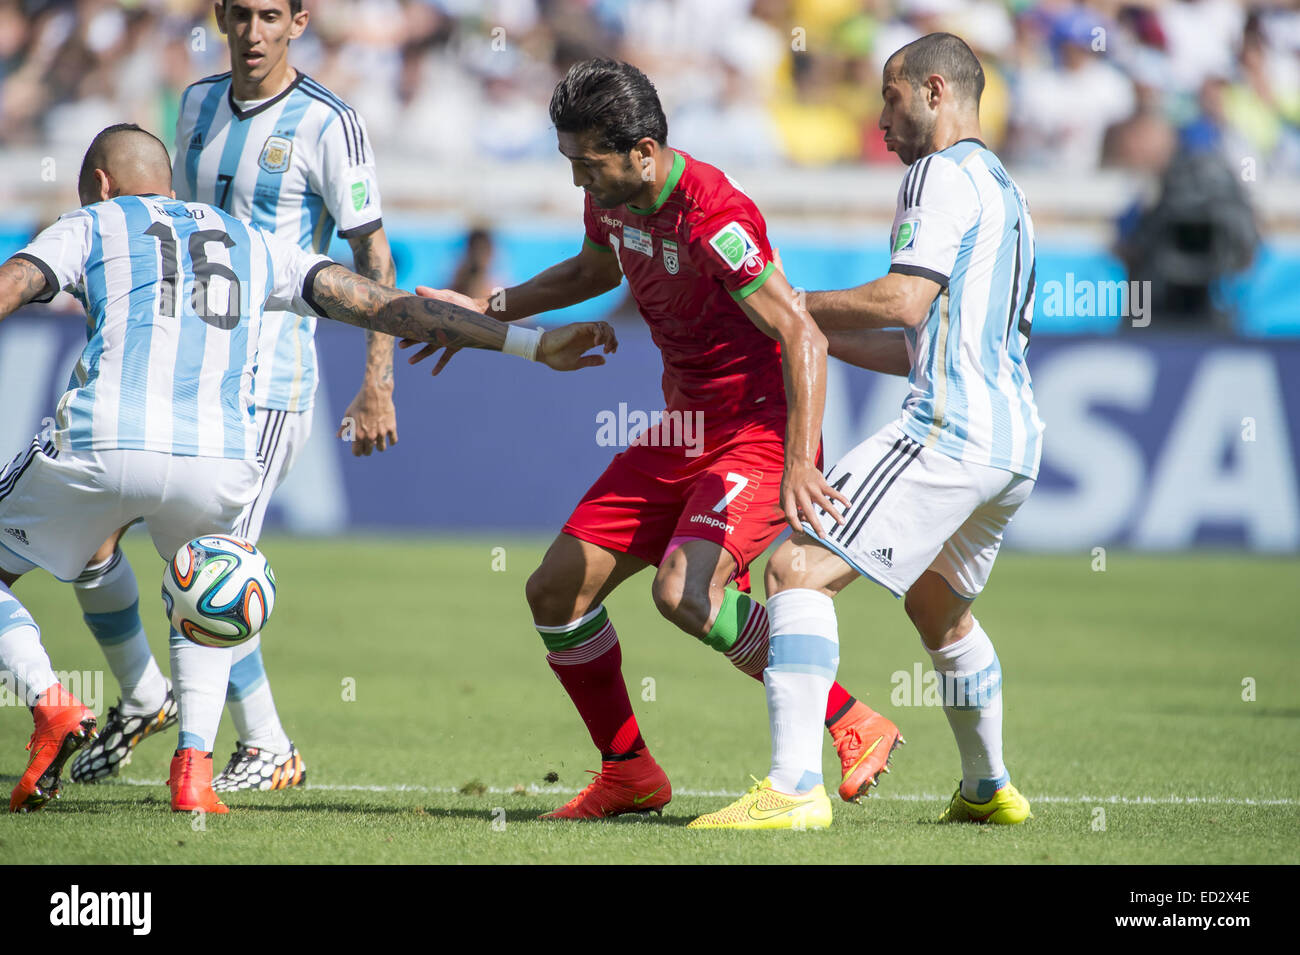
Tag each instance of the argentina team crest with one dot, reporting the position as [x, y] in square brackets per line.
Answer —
[670, 256]
[275, 154]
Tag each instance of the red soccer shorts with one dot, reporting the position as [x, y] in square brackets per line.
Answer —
[729, 494]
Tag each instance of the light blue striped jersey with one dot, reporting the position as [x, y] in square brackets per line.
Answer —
[962, 222]
[299, 165]
[174, 295]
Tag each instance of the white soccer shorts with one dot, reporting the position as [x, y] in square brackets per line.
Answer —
[58, 507]
[283, 434]
[915, 509]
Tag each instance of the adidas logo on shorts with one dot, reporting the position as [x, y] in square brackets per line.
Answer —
[20, 535]
[885, 555]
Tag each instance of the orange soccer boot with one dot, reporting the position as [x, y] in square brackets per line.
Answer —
[865, 740]
[191, 783]
[63, 726]
[634, 784]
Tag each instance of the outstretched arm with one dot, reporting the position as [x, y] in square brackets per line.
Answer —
[593, 271]
[371, 414]
[774, 308]
[894, 300]
[875, 349]
[21, 281]
[356, 300]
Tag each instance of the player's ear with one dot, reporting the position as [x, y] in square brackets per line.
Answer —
[104, 185]
[935, 86]
[298, 24]
[219, 11]
[643, 157]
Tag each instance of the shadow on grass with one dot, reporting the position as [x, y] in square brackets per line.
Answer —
[434, 812]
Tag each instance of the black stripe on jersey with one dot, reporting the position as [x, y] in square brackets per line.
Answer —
[308, 283]
[851, 512]
[349, 114]
[1015, 292]
[242, 114]
[916, 200]
[1023, 325]
[214, 78]
[909, 456]
[265, 453]
[266, 436]
[922, 271]
[907, 183]
[358, 231]
[348, 129]
[896, 457]
[911, 183]
[37, 446]
[51, 280]
[363, 147]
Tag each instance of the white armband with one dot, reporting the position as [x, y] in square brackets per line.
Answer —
[522, 342]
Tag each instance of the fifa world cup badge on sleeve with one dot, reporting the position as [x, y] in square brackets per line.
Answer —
[733, 245]
[906, 236]
[360, 195]
[275, 154]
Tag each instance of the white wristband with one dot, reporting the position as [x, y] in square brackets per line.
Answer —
[522, 342]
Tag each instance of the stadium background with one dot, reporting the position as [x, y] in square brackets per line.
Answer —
[1172, 423]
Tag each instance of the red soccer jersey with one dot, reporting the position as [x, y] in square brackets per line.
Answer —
[689, 260]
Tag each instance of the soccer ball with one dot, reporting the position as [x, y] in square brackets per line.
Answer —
[218, 590]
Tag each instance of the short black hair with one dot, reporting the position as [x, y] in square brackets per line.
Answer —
[97, 154]
[947, 55]
[295, 6]
[614, 100]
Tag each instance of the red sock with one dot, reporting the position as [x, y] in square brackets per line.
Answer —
[592, 675]
[838, 703]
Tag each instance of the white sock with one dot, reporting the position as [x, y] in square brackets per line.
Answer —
[805, 653]
[110, 604]
[248, 697]
[972, 700]
[199, 676]
[24, 665]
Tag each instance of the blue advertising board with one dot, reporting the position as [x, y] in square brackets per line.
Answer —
[1153, 442]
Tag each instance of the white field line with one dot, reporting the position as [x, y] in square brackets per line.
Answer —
[534, 789]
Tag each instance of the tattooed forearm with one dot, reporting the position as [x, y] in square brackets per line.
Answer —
[374, 260]
[350, 298]
[21, 280]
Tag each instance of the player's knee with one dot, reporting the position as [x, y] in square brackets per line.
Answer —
[668, 591]
[545, 599]
[687, 607]
[781, 573]
[938, 625]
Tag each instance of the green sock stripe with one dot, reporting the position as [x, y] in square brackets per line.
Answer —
[731, 620]
[557, 640]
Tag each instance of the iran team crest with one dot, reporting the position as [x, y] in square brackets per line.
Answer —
[275, 154]
[670, 256]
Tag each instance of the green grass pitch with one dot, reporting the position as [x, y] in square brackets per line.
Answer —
[1125, 721]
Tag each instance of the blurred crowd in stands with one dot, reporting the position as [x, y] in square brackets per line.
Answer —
[1070, 86]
